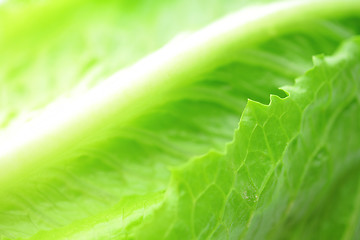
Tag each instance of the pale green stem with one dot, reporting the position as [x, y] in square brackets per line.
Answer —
[133, 90]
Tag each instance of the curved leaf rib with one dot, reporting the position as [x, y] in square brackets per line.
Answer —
[97, 165]
[160, 71]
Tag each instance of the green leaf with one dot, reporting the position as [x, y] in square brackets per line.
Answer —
[90, 39]
[287, 174]
[95, 164]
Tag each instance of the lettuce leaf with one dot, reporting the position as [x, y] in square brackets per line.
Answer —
[97, 163]
[287, 173]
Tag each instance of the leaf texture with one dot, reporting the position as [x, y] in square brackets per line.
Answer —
[283, 176]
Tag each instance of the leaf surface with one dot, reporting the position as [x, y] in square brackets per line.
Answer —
[110, 180]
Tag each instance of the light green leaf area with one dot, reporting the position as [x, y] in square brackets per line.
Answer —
[289, 172]
[90, 39]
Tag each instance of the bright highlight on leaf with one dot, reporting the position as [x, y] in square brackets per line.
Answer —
[180, 119]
